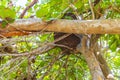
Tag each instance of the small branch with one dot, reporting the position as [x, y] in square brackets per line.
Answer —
[96, 2]
[9, 63]
[14, 33]
[50, 66]
[59, 70]
[14, 68]
[76, 12]
[66, 68]
[28, 7]
[29, 69]
[39, 50]
[91, 7]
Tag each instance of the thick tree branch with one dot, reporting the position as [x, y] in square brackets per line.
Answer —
[93, 64]
[107, 26]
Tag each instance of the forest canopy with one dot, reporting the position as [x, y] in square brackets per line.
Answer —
[59, 39]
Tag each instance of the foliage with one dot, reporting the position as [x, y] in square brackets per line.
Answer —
[54, 64]
[8, 18]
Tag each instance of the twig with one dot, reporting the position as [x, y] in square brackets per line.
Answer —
[76, 12]
[34, 52]
[28, 7]
[39, 50]
[59, 70]
[91, 7]
[29, 69]
[8, 63]
[50, 66]
[14, 68]
[43, 68]
[66, 68]
[60, 45]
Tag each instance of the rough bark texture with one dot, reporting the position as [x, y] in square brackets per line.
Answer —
[104, 67]
[67, 26]
[96, 63]
[93, 64]
[102, 62]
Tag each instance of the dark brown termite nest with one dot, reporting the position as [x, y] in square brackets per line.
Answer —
[69, 43]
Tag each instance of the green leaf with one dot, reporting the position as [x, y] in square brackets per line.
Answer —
[114, 46]
[7, 13]
[43, 11]
[79, 4]
[4, 23]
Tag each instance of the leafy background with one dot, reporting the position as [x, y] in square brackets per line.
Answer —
[53, 65]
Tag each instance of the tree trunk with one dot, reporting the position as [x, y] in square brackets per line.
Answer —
[94, 66]
[91, 60]
[96, 63]
[104, 67]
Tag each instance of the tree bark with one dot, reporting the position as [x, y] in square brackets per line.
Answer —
[104, 67]
[109, 26]
[91, 60]
[102, 62]
[94, 66]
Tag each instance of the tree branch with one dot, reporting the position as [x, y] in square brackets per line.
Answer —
[106, 26]
[28, 7]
